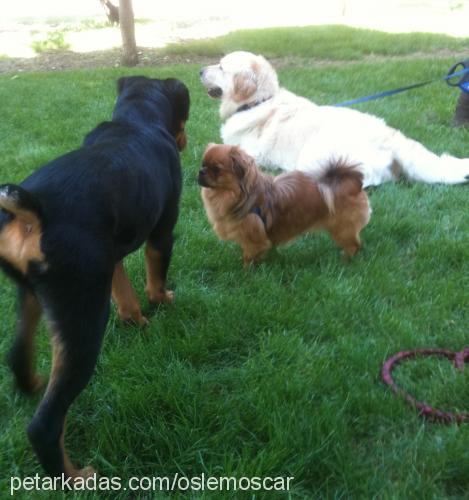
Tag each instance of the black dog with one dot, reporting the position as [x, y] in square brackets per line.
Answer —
[64, 232]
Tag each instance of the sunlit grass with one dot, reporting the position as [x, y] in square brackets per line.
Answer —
[273, 371]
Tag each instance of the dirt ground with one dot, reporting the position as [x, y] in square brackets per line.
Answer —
[62, 60]
[58, 60]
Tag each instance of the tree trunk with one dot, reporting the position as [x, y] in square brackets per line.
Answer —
[129, 46]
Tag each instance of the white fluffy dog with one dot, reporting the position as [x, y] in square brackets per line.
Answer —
[281, 129]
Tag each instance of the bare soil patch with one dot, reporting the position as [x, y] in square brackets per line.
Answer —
[62, 60]
[58, 60]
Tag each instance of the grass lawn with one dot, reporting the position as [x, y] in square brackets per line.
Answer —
[275, 371]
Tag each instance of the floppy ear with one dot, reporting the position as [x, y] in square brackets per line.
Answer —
[241, 161]
[181, 137]
[179, 98]
[178, 94]
[244, 85]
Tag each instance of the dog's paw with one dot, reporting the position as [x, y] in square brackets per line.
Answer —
[160, 297]
[86, 472]
[133, 317]
[248, 264]
[79, 475]
[141, 321]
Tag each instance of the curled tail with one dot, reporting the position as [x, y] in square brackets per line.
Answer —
[20, 234]
[339, 178]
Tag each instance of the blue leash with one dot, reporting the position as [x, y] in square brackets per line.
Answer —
[463, 84]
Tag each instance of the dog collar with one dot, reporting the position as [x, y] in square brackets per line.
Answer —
[250, 105]
[257, 211]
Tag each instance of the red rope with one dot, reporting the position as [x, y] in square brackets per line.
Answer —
[425, 410]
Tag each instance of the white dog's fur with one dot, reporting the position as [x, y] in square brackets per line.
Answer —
[281, 129]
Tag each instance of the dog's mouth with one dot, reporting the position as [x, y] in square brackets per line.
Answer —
[215, 92]
[202, 180]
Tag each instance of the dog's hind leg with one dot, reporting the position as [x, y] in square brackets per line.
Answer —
[78, 316]
[347, 237]
[21, 357]
[123, 294]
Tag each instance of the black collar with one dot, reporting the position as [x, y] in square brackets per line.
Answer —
[257, 210]
[250, 105]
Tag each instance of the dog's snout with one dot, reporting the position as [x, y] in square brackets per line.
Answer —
[201, 178]
[201, 72]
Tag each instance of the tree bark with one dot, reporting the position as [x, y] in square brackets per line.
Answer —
[127, 25]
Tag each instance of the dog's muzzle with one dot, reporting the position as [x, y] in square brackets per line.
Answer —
[214, 92]
[201, 179]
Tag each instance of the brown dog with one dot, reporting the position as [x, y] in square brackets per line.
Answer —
[258, 211]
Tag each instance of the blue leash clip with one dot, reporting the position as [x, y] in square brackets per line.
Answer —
[463, 83]
[464, 86]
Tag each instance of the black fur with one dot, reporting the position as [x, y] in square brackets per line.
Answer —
[96, 205]
[461, 113]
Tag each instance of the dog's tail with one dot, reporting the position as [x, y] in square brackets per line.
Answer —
[339, 178]
[20, 227]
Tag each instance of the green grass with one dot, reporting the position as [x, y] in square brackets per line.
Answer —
[322, 42]
[274, 371]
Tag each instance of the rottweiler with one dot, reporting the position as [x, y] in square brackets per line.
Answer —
[64, 232]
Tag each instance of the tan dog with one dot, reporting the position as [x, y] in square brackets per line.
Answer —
[258, 211]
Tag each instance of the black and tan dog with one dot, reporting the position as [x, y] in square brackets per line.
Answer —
[65, 231]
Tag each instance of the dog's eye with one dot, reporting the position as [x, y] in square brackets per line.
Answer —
[215, 170]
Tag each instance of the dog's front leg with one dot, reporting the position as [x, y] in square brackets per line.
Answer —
[123, 294]
[157, 258]
[253, 239]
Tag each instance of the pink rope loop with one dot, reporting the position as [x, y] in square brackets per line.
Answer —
[425, 410]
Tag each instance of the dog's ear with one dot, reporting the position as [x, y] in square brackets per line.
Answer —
[244, 85]
[125, 81]
[178, 95]
[240, 161]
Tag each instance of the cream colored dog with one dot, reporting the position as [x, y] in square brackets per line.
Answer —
[281, 129]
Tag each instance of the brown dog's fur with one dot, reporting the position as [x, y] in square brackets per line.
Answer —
[259, 211]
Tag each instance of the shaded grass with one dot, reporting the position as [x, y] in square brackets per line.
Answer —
[274, 371]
